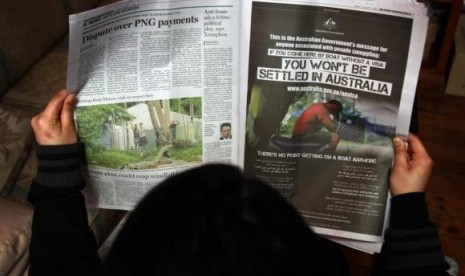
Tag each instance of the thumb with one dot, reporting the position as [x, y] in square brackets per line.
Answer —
[67, 118]
[400, 153]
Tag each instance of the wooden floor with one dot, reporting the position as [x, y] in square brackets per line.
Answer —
[442, 129]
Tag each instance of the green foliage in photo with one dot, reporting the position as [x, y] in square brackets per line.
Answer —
[189, 154]
[92, 121]
[112, 158]
[115, 159]
[186, 105]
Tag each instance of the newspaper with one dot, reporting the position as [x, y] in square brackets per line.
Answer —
[164, 86]
[305, 56]
[156, 82]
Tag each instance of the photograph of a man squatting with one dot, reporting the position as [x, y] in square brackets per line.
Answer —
[311, 125]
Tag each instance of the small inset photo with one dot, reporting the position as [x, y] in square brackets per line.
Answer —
[225, 131]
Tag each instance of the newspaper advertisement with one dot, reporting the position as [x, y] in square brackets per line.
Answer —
[305, 95]
[157, 92]
[328, 87]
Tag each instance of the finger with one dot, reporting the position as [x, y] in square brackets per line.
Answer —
[40, 121]
[400, 153]
[66, 115]
[416, 147]
[53, 108]
[34, 121]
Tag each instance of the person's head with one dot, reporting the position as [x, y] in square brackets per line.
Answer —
[212, 220]
[225, 129]
[335, 108]
[141, 125]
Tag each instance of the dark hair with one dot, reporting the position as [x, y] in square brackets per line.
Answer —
[337, 105]
[213, 221]
[225, 125]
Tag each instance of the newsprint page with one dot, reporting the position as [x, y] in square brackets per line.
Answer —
[305, 95]
[157, 85]
[328, 86]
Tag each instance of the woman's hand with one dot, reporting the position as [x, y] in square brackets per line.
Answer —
[412, 166]
[55, 124]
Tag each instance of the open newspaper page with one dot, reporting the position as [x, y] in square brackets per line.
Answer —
[156, 84]
[329, 84]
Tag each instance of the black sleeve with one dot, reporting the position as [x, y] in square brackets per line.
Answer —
[62, 242]
[411, 243]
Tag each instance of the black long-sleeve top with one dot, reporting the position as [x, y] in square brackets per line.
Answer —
[63, 244]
